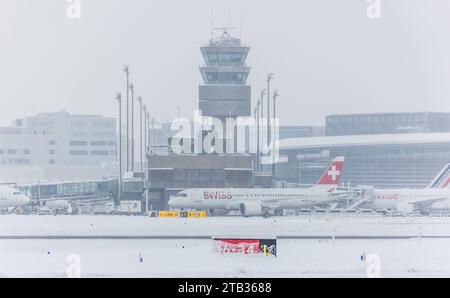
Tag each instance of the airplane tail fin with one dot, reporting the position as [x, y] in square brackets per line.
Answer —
[330, 179]
[442, 180]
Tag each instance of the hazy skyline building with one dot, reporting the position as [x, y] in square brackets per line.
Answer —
[60, 139]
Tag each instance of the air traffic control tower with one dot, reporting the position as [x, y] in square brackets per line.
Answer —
[224, 93]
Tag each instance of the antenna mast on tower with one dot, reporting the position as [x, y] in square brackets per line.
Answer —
[212, 26]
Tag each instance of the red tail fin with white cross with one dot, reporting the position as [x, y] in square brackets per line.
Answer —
[330, 179]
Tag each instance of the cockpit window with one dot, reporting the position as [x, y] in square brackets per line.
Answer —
[182, 195]
[16, 193]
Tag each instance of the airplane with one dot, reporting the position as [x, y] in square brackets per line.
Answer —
[259, 202]
[409, 200]
[12, 198]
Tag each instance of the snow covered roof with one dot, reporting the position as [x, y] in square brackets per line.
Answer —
[61, 182]
[364, 140]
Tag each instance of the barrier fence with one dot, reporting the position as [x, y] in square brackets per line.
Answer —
[178, 214]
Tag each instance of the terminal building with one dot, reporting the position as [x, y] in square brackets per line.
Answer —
[387, 123]
[389, 150]
[295, 131]
[382, 161]
[160, 133]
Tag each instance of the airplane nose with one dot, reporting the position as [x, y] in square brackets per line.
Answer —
[172, 202]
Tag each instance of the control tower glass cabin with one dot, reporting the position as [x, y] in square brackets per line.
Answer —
[224, 93]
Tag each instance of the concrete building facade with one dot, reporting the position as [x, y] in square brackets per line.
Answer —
[75, 140]
[59, 139]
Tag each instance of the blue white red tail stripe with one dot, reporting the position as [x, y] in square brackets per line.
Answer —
[442, 180]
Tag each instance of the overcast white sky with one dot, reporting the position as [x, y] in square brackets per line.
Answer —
[327, 55]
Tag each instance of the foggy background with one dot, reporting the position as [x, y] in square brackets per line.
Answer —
[328, 56]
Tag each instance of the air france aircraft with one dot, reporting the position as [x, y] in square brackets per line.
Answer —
[258, 202]
[12, 198]
[408, 200]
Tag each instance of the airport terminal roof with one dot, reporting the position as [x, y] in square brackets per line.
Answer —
[364, 140]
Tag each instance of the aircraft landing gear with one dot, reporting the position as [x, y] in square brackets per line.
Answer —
[266, 214]
[278, 212]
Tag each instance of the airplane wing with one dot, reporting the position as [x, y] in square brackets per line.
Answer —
[334, 196]
[272, 204]
[427, 204]
[338, 194]
[276, 202]
[423, 206]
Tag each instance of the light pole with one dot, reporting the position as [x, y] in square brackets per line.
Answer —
[263, 93]
[260, 122]
[127, 72]
[269, 78]
[275, 95]
[149, 145]
[145, 132]
[257, 133]
[147, 174]
[153, 133]
[119, 101]
[139, 99]
[132, 126]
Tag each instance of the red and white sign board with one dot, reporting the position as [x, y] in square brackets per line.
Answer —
[245, 246]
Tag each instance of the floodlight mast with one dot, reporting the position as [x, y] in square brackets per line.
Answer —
[275, 96]
[126, 70]
[119, 101]
[131, 87]
[269, 78]
[141, 150]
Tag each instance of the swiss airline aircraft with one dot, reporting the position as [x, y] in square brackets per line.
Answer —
[10, 197]
[257, 202]
[408, 200]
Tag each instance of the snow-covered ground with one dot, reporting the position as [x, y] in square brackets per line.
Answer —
[417, 256]
[196, 258]
[222, 226]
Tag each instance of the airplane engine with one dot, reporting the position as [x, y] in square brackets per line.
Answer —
[218, 212]
[251, 209]
[405, 208]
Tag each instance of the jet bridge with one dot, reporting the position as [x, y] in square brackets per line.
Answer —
[362, 195]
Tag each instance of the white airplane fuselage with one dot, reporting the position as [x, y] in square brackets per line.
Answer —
[393, 198]
[10, 197]
[256, 202]
[231, 199]
[436, 193]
